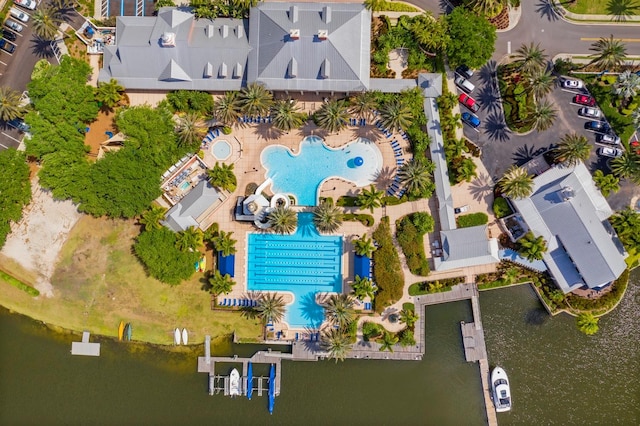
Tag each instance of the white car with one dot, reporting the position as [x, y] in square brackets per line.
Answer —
[610, 152]
[27, 4]
[608, 139]
[572, 84]
[13, 25]
[589, 112]
[19, 15]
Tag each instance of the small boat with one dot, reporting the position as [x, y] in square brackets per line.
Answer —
[249, 380]
[121, 330]
[234, 383]
[500, 390]
[185, 336]
[272, 387]
[128, 329]
[176, 336]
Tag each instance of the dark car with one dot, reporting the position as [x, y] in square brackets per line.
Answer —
[11, 36]
[6, 46]
[464, 71]
[597, 126]
[470, 119]
[469, 102]
[19, 124]
[584, 100]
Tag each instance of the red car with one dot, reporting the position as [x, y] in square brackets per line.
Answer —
[635, 145]
[584, 100]
[469, 102]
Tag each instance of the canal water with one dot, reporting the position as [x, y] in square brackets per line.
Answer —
[558, 376]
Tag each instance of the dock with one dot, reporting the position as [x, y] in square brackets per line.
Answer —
[85, 348]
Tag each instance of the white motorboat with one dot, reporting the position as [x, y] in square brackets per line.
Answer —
[500, 390]
[234, 383]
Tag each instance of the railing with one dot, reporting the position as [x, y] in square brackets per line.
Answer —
[56, 50]
[105, 9]
[139, 7]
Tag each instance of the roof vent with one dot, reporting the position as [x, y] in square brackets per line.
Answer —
[224, 31]
[209, 30]
[208, 70]
[293, 13]
[237, 71]
[326, 14]
[323, 34]
[325, 69]
[294, 34]
[168, 40]
[222, 72]
[239, 31]
[292, 69]
[567, 193]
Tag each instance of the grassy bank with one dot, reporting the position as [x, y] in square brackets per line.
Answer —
[98, 282]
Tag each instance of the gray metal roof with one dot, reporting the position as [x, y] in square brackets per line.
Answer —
[430, 84]
[570, 213]
[330, 51]
[185, 214]
[464, 247]
[391, 85]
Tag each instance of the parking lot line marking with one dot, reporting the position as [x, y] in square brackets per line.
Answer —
[4, 146]
[11, 137]
[2, 63]
[629, 40]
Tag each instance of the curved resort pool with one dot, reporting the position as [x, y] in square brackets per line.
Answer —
[302, 174]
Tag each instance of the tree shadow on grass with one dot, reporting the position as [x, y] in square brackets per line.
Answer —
[621, 10]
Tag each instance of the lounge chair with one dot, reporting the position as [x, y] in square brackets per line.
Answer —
[297, 336]
[222, 302]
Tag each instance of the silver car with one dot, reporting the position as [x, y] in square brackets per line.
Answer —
[13, 25]
[610, 152]
[589, 112]
[19, 15]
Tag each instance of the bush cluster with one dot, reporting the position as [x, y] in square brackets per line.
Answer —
[15, 189]
[501, 208]
[156, 249]
[365, 219]
[436, 286]
[606, 301]
[19, 284]
[472, 219]
[387, 269]
[191, 101]
[410, 231]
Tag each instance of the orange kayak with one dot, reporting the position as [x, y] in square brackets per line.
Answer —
[121, 330]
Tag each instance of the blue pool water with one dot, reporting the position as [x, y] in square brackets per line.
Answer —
[184, 185]
[304, 264]
[302, 174]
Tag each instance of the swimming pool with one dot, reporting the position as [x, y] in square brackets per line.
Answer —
[185, 185]
[221, 150]
[303, 264]
[302, 174]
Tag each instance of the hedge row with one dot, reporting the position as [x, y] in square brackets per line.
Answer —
[437, 286]
[19, 284]
[365, 219]
[411, 239]
[387, 269]
[472, 219]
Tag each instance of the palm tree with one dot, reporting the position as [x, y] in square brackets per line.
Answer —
[327, 217]
[606, 183]
[190, 129]
[464, 169]
[388, 341]
[363, 104]
[635, 118]
[516, 183]
[487, 8]
[45, 22]
[286, 115]
[541, 83]
[283, 220]
[572, 149]
[626, 86]
[430, 33]
[339, 310]
[222, 176]
[627, 166]
[416, 177]
[270, 309]
[532, 58]
[332, 116]
[395, 115]
[374, 5]
[10, 104]
[369, 198]
[364, 246]
[151, 218]
[190, 239]
[531, 247]
[609, 53]
[226, 109]
[626, 222]
[109, 94]
[336, 343]
[220, 284]
[542, 115]
[223, 243]
[587, 323]
[408, 317]
[255, 99]
[363, 287]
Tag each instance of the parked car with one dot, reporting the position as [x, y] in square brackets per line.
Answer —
[6, 46]
[27, 4]
[19, 15]
[469, 102]
[608, 139]
[11, 36]
[464, 84]
[597, 126]
[584, 100]
[610, 152]
[572, 84]
[464, 71]
[589, 112]
[19, 124]
[471, 119]
[13, 25]
[462, 209]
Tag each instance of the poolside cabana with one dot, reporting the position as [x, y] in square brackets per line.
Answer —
[226, 264]
[362, 266]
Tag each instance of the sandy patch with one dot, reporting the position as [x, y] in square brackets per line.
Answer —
[35, 242]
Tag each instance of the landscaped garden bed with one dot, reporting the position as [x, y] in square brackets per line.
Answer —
[517, 99]
[410, 232]
[472, 219]
[387, 270]
[436, 286]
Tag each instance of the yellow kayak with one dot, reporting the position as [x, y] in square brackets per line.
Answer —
[121, 330]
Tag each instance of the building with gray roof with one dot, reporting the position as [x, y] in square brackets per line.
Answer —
[571, 214]
[193, 208]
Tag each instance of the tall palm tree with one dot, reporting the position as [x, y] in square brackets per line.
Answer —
[286, 115]
[332, 115]
[627, 166]
[220, 284]
[10, 104]
[363, 104]
[606, 183]
[487, 8]
[388, 341]
[223, 242]
[190, 239]
[339, 310]
[226, 109]
[45, 22]
[336, 343]
[151, 218]
[270, 309]
[191, 129]
[587, 323]
[109, 94]
[416, 176]
[626, 86]
[327, 217]
[364, 246]
[541, 83]
[531, 247]
[542, 115]
[363, 287]
[516, 183]
[430, 33]
[532, 58]
[283, 220]
[395, 115]
[255, 99]
[369, 198]
[572, 149]
[222, 176]
[609, 53]
[408, 317]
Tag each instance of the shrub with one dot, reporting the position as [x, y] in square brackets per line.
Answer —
[371, 330]
[423, 222]
[365, 219]
[436, 286]
[190, 101]
[501, 208]
[407, 338]
[19, 284]
[387, 269]
[411, 241]
[226, 130]
[606, 301]
[347, 201]
[472, 219]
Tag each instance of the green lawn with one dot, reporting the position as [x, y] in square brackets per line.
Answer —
[587, 7]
